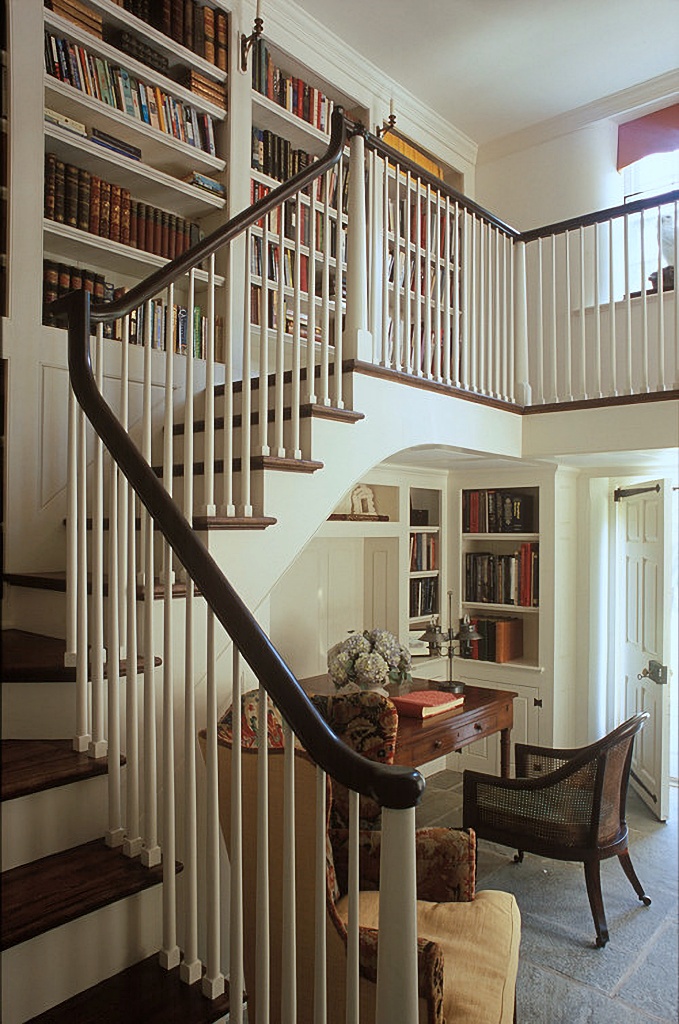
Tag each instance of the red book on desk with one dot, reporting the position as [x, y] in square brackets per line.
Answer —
[423, 703]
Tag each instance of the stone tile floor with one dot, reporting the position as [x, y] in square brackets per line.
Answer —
[563, 977]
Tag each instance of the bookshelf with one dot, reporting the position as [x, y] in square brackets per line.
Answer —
[424, 556]
[132, 109]
[500, 571]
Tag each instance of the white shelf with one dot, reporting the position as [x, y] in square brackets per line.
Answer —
[174, 51]
[142, 71]
[302, 135]
[515, 538]
[505, 609]
[358, 528]
[158, 149]
[145, 183]
[62, 242]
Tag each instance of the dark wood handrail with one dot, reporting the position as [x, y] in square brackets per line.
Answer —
[395, 157]
[391, 785]
[599, 217]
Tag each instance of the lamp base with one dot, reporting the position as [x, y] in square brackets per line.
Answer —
[451, 687]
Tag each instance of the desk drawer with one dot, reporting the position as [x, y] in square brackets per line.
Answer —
[445, 739]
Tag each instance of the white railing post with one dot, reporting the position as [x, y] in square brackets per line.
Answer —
[357, 342]
[397, 948]
[522, 388]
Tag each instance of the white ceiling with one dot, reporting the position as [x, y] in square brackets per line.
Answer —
[494, 67]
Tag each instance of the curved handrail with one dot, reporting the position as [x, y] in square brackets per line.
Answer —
[598, 217]
[391, 785]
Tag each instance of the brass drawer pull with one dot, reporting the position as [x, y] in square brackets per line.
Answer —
[478, 727]
[438, 744]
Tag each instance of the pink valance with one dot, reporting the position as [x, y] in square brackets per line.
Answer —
[654, 133]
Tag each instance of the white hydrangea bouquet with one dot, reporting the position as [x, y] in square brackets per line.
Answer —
[368, 661]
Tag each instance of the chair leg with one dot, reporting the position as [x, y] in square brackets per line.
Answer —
[518, 857]
[628, 868]
[596, 902]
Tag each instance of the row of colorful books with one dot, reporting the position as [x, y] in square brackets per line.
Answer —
[290, 324]
[424, 552]
[75, 197]
[165, 326]
[196, 26]
[286, 216]
[501, 640]
[496, 511]
[275, 156]
[504, 579]
[289, 91]
[116, 87]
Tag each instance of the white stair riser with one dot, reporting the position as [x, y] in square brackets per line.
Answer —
[36, 610]
[43, 711]
[52, 967]
[53, 820]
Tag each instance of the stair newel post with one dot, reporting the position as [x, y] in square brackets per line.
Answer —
[213, 981]
[70, 656]
[295, 397]
[82, 737]
[228, 506]
[281, 318]
[236, 982]
[289, 957]
[245, 505]
[97, 746]
[209, 506]
[521, 385]
[397, 949]
[311, 306]
[339, 277]
[169, 955]
[150, 853]
[357, 337]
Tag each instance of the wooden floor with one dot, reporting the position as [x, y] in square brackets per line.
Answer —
[31, 766]
[143, 994]
[51, 891]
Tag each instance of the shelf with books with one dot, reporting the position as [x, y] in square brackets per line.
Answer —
[176, 51]
[62, 28]
[268, 115]
[424, 555]
[147, 183]
[62, 243]
[159, 149]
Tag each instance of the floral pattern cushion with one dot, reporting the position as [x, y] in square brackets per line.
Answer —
[249, 723]
[368, 723]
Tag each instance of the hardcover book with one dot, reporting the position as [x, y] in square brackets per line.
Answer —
[425, 703]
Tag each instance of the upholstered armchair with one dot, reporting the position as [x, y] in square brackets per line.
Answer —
[469, 942]
[565, 804]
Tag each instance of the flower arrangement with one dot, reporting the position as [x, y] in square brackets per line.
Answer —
[368, 661]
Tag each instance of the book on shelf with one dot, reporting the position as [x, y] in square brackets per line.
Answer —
[497, 511]
[206, 87]
[425, 703]
[111, 142]
[511, 578]
[289, 91]
[117, 88]
[62, 121]
[501, 639]
[78, 13]
[205, 182]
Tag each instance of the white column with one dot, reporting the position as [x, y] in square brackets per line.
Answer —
[397, 948]
[357, 338]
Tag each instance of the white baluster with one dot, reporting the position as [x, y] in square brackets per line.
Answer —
[210, 508]
[396, 322]
[115, 832]
[555, 366]
[628, 307]
[339, 277]
[320, 937]
[245, 508]
[386, 361]
[213, 981]
[236, 982]
[311, 302]
[70, 655]
[397, 949]
[133, 842]
[522, 388]
[289, 909]
[463, 290]
[228, 504]
[447, 272]
[644, 311]
[97, 745]
[568, 383]
[262, 907]
[597, 316]
[611, 312]
[426, 285]
[438, 355]
[540, 326]
[190, 969]
[660, 382]
[511, 330]
[417, 346]
[474, 264]
[407, 274]
[324, 393]
[188, 405]
[123, 486]
[263, 406]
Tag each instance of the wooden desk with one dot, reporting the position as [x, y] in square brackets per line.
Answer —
[483, 713]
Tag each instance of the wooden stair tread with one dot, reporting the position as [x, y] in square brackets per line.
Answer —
[309, 411]
[33, 658]
[57, 581]
[257, 462]
[233, 522]
[31, 766]
[54, 890]
[287, 378]
[141, 994]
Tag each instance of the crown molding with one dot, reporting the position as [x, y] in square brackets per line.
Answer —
[654, 93]
[291, 29]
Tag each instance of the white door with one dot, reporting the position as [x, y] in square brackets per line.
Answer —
[645, 631]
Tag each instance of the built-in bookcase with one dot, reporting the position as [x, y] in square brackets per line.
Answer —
[424, 556]
[135, 109]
